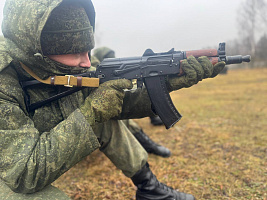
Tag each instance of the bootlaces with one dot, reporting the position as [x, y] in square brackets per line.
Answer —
[163, 186]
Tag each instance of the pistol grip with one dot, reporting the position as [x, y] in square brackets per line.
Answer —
[161, 100]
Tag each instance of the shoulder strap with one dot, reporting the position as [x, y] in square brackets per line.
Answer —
[67, 80]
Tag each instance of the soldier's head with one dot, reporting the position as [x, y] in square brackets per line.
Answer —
[104, 52]
[67, 36]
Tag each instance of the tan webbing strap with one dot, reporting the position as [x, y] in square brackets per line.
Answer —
[67, 80]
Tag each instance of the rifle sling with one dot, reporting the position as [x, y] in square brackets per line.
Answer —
[32, 107]
[68, 81]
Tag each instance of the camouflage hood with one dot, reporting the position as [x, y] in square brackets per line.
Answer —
[22, 27]
[104, 52]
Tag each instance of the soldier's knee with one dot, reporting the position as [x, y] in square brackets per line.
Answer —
[48, 193]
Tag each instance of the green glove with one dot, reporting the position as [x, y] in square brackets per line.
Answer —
[105, 102]
[194, 70]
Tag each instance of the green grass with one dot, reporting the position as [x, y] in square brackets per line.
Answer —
[219, 148]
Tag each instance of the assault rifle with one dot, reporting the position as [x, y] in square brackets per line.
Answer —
[150, 70]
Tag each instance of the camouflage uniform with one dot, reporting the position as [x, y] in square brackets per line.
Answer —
[36, 147]
[39, 146]
[147, 143]
[99, 55]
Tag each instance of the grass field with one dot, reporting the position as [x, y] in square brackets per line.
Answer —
[219, 148]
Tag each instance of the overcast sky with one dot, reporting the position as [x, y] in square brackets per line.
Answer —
[131, 26]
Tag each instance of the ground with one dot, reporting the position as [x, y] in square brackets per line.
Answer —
[219, 147]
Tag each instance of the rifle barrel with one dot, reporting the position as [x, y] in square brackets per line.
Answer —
[237, 59]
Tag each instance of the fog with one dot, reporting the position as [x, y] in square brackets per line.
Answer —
[129, 27]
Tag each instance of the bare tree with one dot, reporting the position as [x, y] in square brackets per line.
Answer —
[262, 47]
[252, 22]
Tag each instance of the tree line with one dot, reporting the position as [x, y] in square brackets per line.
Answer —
[252, 32]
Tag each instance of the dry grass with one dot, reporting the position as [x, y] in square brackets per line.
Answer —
[219, 148]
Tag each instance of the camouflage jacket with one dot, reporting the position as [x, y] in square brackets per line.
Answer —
[37, 147]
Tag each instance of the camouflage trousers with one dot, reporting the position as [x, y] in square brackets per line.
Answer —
[132, 125]
[49, 192]
[117, 143]
[121, 147]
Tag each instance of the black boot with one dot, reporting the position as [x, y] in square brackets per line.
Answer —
[156, 121]
[149, 188]
[150, 146]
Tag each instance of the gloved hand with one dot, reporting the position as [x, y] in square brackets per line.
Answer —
[105, 102]
[194, 70]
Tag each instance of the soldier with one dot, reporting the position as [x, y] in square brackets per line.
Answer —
[104, 52]
[48, 38]
[149, 145]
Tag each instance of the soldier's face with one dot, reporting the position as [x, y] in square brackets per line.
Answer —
[73, 60]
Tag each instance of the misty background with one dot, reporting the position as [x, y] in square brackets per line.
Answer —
[130, 27]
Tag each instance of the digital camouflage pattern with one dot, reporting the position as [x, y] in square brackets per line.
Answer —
[67, 31]
[195, 70]
[106, 102]
[49, 192]
[98, 56]
[37, 147]
[120, 146]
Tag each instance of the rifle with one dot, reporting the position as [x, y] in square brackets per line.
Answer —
[150, 70]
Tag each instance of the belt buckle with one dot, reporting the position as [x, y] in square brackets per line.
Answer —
[68, 85]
